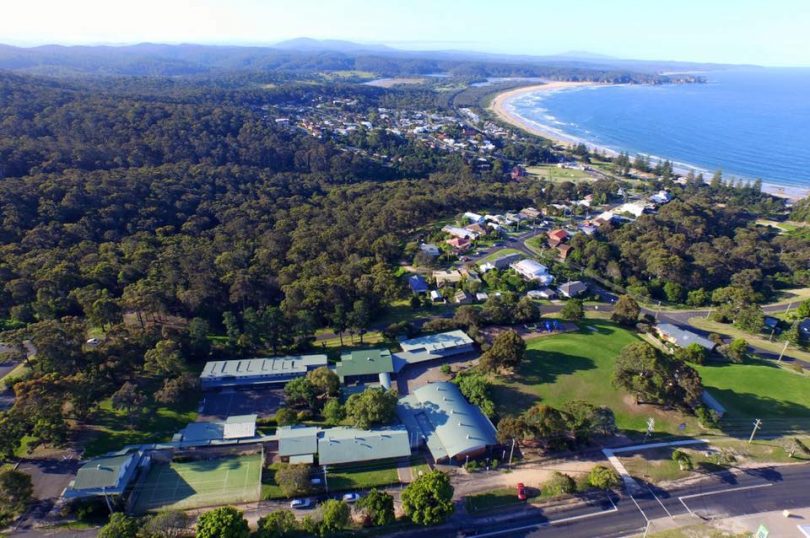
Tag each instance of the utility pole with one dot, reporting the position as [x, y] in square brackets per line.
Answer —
[325, 481]
[512, 452]
[650, 428]
[782, 354]
[788, 307]
[708, 313]
[757, 425]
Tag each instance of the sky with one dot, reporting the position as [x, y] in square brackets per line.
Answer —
[764, 32]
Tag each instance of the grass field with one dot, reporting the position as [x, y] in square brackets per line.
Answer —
[363, 478]
[494, 500]
[553, 173]
[197, 484]
[499, 253]
[755, 340]
[579, 366]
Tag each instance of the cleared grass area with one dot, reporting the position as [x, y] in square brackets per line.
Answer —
[553, 173]
[110, 431]
[579, 366]
[697, 531]
[201, 483]
[495, 499]
[18, 371]
[729, 330]
[362, 477]
[758, 388]
[500, 253]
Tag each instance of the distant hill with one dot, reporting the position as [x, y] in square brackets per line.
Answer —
[307, 44]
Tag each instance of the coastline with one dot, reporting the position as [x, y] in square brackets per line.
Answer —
[500, 106]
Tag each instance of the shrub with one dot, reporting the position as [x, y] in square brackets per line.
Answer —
[796, 367]
[707, 417]
[559, 484]
[445, 369]
[602, 477]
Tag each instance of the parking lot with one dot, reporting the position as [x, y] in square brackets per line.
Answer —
[263, 401]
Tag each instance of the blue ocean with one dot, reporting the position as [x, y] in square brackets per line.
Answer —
[750, 123]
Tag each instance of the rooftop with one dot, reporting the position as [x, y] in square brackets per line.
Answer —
[236, 427]
[103, 472]
[297, 440]
[262, 366]
[365, 362]
[350, 445]
[684, 338]
[434, 342]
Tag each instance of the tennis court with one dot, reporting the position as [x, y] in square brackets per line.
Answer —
[199, 483]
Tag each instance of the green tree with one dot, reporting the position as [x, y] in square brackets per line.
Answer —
[335, 516]
[602, 477]
[16, 491]
[300, 392]
[736, 350]
[626, 311]
[333, 411]
[673, 291]
[378, 506]
[508, 351]
[793, 335]
[372, 407]
[325, 381]
[512, 427]
[573, 310]
[475, 388]
[285, 416]
[224, 522]
[655, 378]
[683, 459]
[526, 311]
[120, 526]
[277, 524]
[559, 484]
[803, 310]
[428, 500]
[129, 399]
[294, 480]
[164, 359]
[750, 319]
[697, 297]
[694, 353]
[165, 524]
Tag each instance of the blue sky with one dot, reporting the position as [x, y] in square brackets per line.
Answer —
[767, 32]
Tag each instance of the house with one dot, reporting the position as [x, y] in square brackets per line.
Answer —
[432, 347]
[683, 338]
[771, 324]
[446, 277]
[603, 218]
[430, 249]
[459, 244]
[500, 263]
[588, 229]
[477, 229]
[438, 416]
[366, 365]
[530, 213]
[462, 297]
[564, 251]
[340, 446]
[258, 371]
[107, 475]
[532, 270]
[572, 289]
[436, 296]
[661, 197]
[804, 329]
[542, 293]
[634, 208]
[481, 296]
[475, 218]
[231, 429]
[555, 237]
[461, 233]
[418, 284]
[469, 275]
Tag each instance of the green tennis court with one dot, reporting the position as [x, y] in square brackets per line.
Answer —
[195, 484]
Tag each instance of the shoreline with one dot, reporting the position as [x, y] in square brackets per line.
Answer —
[499, 105]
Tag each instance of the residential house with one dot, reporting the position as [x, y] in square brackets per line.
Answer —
[461, 233]
[430, 249]
[661, 197]
[459, 244]
[588, 229]
[436, 296]
[462, 297]
[634, 208]
[572, 289]
[481, 296]
[682, 337]
[477, 229]
[500, 263]
[555, 237]
[542, 293]
[438, 416]
[258, 371]
[418, 284]
[563, 250]
[474, 218]
[530, 213]
[532, 270]
[446, 277]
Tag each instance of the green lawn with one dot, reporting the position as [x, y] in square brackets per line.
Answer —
[495, 499]
[363, 477]
[499, 253]
[758, 388]
[579, 366]
[755, 340]
[158, 423]
[554, 173]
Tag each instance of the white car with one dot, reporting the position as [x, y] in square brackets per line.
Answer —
[351, 497]
[300, 504]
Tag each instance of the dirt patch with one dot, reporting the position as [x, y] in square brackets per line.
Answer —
[530, 331]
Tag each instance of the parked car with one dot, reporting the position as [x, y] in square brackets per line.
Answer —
[301, 504]
[351, 497]
[521, 491]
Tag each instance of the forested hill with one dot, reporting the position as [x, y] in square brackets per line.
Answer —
[193, 206]
[186, 60]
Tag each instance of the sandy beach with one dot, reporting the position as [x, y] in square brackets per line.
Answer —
[501, 108]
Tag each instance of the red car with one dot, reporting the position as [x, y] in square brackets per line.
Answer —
[521, 491]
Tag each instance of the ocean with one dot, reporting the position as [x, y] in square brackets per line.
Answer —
[750, 123]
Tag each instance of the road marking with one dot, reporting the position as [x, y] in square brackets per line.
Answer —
[659, 501]
[549, 523]
[727, 490]
[639, 509]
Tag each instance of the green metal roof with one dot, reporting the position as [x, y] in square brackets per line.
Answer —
[297, 440]
[348, 445]
[364, 362]
[102, 472]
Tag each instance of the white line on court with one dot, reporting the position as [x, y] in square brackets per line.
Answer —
[727, 490]
[551, 522]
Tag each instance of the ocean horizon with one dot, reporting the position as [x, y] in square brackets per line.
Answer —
[749, 123]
